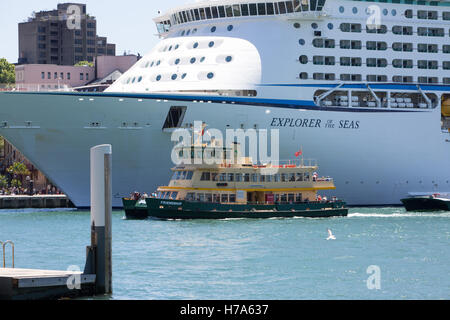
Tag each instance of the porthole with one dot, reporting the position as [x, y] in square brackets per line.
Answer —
[394, 12]
[174, 76]
[213, 29]
[202, 59]
[195, 45]
[301, 42]
[330, 26]
[177, 61]
[152, 64]
[228, 59]
[230, 27]
[303, 59]
[303, 75]
[210, 75]
[158, 77]
[211, 44]
[355, 10]
[183, 32]
[176, 47]
[188, 32]
[296, 25]
[194, 31]
[147, 64]
[158, 62]
[134, 80]
[192, 60]
[314, 25]
[170, 48]
[385, 12]
[341, 9]
[129, 79]
[140, 79]
[183, 75]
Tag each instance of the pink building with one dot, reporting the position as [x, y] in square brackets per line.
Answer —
[45, 77]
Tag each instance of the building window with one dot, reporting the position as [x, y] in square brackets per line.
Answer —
[42, 75]
[81, 76]
[68, 75]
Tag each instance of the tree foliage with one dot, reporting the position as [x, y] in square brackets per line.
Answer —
[18, 169]
[7, 72]
[84, 63]
[3, 181]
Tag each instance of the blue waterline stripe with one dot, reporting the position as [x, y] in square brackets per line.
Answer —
[271, 103]
[385, 86]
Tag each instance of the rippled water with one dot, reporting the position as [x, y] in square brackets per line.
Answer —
[250, 259]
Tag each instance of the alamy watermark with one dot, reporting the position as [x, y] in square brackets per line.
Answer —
[210, 144]
[374, 280]
[74, 280]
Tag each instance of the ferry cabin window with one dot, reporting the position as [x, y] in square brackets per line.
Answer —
[244, 9]
[205, 176]
[238, 177]
[290, 197]
[190, 196]
[299, 176]
[174, 195]
[215, 12]
[298, 197]
[208, 197]
[254, 177]
[252, 7]
[291, 177]
[189, 175]
[216, 198]
[236, 10]
[232, 198]
[247, 177]
[229, 11]
[224, 197]
[230, 177]
[221, 11]
[223, 177]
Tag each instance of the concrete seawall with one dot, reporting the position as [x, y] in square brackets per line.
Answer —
[37, 201]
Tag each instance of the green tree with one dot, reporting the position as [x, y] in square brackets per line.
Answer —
[16, 183]
[84, 63]
[7, 72]
[18, 169]
[3, 181]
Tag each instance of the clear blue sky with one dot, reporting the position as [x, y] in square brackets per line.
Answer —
[127, 23]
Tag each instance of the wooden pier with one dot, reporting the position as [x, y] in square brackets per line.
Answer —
[38, 201]
[29, 284]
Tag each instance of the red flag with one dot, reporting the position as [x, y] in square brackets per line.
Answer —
[299, 153]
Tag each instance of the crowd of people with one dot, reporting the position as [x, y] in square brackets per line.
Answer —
[15, 191]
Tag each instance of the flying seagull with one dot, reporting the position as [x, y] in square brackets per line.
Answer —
[330, 235]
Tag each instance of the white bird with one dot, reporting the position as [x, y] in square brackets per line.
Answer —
[330, 235]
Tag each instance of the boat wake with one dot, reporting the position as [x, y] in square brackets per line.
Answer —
[400, 214]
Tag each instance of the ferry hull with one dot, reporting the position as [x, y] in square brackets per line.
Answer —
[426, 204]
[375, 158]
[164, 209]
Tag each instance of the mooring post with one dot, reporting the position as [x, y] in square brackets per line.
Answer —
[99, 253]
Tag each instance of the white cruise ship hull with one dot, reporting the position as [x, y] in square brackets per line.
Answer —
[376, 157]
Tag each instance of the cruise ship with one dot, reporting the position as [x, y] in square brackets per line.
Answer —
[363, 87]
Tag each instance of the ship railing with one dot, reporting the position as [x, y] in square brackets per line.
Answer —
[4, 244]
[37, 87]
[291, 163]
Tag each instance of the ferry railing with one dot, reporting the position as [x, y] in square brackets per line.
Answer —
[297, 162]
[4, 251]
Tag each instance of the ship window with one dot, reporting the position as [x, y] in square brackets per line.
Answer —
[238, 177]
[208, 13]
[290, 197]
[299, 176]
[303, 59]
[202, 59]
[221, 11]
[224, 197]
[409, 14]
[330, 26]
[247, 177]
[229, 11]
[282, 7]
[298, 197]
[252, 7]
[289, 7]
[446, 65]
[232, 198]
[303, 75]
[291, 177]
[183, 75]
[236, 10]
[270, 9]
[230, 27]
[262, 9]
[174, 76]
[244, 9]
[230, 177]
[215, 13]
[341, 9]
[195, 46]
[355, 10]
[158, 77]
[192, 60]
[284, 177]
[206, 176]
[446, 15]
[211, 44]
[174, 117]
[318, 76]
[196, 14]
[189, 175]
[276, 177]
[223, 177]
[296, 25]
[446, 80]
[190, 196]
[446, 48]
[173, 195]
[301, 42]
[228, 59]
[283, 197]
[254, 177]
[213, 29]
[177, 61]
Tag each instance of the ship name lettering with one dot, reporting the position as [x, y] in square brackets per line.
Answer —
[292, 122]
[347, 124]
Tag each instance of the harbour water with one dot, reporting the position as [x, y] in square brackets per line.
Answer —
[250, 259]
